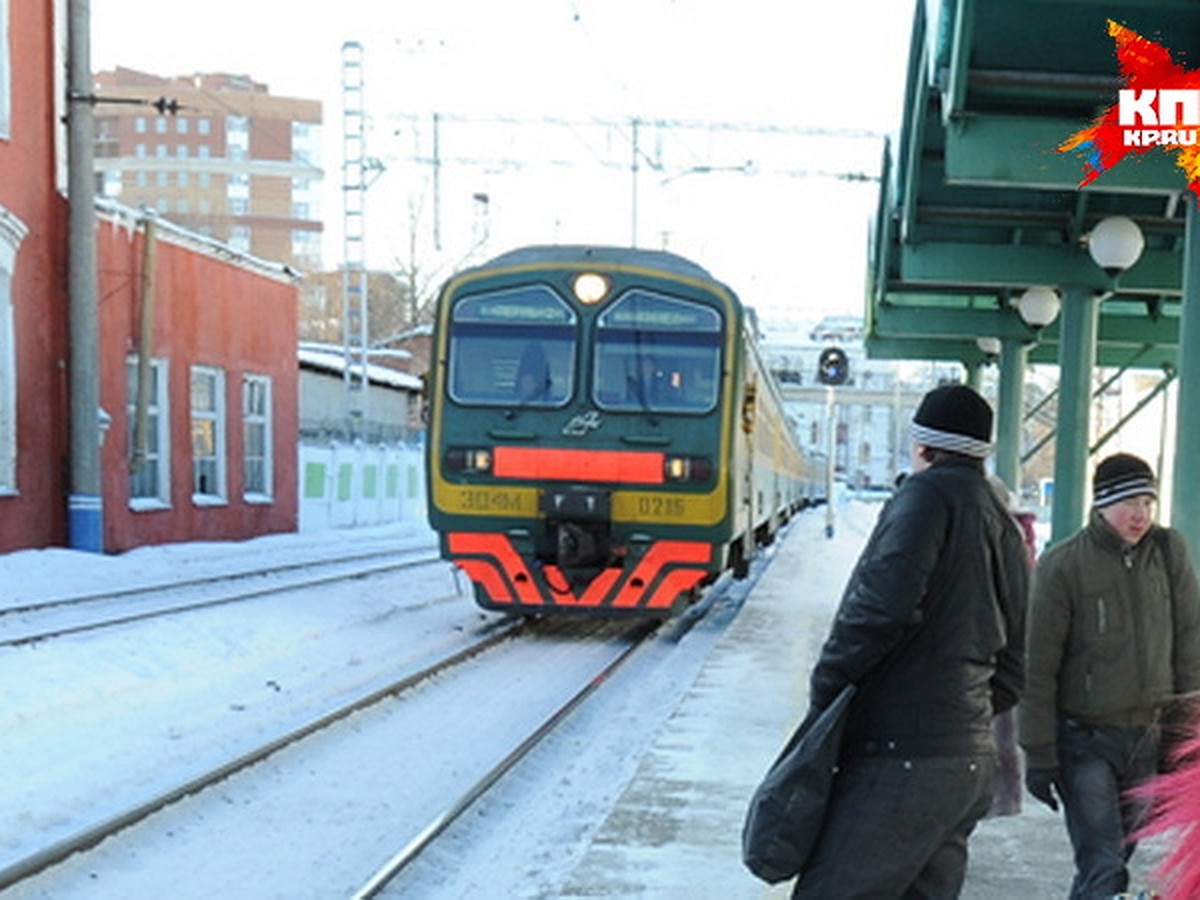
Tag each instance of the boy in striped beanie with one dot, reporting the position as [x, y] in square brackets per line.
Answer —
[1113, 644]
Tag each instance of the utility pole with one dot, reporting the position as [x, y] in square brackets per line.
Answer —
[830, 460]
[85, 510]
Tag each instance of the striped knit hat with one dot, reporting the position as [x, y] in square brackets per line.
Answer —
[954, 417]
[1121, 476]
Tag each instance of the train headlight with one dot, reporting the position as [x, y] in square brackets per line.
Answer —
[590, 288]
[687, 468]
[469, 459]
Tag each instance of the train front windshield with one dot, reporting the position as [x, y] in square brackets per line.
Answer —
[513, 347]
[520, 347]
[657, 353]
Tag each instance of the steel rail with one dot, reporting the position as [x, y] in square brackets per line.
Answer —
[156, 587]
[32, 635]
[93, 834]
[390, 869]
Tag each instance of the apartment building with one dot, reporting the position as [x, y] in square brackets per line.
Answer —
[216, 154]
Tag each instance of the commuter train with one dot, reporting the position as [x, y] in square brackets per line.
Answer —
[603, 437]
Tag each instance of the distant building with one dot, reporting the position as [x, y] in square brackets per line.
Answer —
[870, 412]
[393, 406]
[838, 329]
[218, 155]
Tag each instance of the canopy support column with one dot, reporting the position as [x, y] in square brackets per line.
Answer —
[1185, 490]
[1076, 362]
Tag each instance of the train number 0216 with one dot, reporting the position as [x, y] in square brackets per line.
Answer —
[661, 507]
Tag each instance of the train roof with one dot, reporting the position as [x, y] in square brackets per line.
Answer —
[621, 256]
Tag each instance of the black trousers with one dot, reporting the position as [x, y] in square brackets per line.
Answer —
[1097, 765]
[898, 828]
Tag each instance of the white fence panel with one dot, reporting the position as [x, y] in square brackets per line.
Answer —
[343, 485]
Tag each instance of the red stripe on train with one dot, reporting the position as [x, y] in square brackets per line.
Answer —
[491, 561]
[545, 464]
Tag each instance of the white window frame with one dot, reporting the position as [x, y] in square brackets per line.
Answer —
[239, 235]
[252, 420]
[12, 232]
[216, 493]
[159, 413]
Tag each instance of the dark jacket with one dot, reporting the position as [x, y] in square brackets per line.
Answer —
[940, 593]
[1114, 634]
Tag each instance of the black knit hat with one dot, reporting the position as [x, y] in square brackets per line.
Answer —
[1121, 476]
[954, 417]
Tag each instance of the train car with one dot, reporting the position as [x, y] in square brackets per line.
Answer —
[603, 437]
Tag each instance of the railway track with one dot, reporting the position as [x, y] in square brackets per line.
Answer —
[632, 640]
[38, 620]
[491, 636]
[624, 639]
[410, 820]
[426, 835]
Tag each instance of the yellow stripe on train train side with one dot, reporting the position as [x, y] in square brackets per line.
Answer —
[627, 506]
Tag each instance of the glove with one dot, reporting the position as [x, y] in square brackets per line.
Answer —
[1043, 784]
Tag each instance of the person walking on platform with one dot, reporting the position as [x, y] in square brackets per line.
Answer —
[931, 630]
[1114, 637]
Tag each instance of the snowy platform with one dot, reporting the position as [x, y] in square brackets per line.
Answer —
[676, 829]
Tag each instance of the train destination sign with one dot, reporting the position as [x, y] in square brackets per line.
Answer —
[533, 304]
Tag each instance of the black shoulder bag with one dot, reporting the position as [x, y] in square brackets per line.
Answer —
[787, 810]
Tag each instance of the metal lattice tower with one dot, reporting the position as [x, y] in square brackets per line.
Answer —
[354, 271]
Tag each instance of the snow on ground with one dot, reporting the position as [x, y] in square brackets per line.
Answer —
[94, 720]
[142, 709]
[58, 572]
[641, 797]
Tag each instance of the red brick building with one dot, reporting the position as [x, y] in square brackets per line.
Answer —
[201, 441]
[218, 409]
[33, 288]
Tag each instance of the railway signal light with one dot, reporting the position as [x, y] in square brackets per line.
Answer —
[833, 367]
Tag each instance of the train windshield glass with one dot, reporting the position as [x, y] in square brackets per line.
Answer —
[512, 347]
[659, 353]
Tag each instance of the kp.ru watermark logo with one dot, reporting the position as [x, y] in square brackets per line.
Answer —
[1159, 107]
[1156, 108]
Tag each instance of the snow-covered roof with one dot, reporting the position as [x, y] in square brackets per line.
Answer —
[331, 358]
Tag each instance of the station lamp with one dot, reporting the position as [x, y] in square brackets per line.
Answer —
[989, 345]
[1116, 243]
[1038, 306]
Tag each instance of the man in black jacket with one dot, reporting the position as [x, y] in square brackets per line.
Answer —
[931, 629]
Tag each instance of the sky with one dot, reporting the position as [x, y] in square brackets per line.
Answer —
[759, 104]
